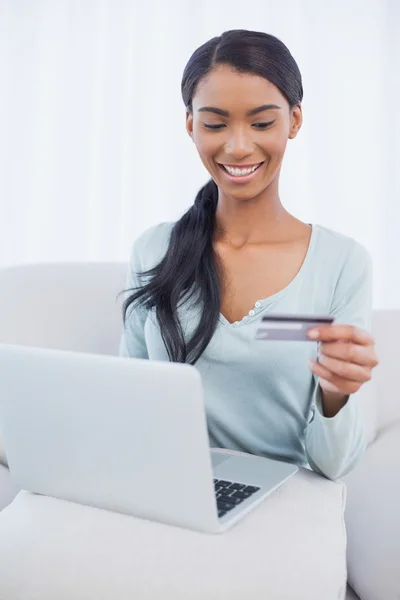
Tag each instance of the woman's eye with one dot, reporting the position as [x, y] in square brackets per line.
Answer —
[214, 126]
[256, 125]
[263, 125]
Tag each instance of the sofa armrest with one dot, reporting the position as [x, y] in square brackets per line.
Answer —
[373, 521]
[8, 490]
[3, 457]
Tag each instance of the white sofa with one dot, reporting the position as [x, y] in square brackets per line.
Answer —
[294, 545]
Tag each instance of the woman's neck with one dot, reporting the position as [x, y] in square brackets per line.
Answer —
[256, 221]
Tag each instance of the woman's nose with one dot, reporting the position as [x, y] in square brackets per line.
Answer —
[239, 145]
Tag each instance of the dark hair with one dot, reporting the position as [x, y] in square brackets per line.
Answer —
[190, 268]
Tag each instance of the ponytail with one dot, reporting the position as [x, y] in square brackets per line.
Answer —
[188, 270]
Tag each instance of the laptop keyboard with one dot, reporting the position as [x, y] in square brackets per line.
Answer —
[229, 494]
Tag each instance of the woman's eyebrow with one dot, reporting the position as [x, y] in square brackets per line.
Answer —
[225, 113]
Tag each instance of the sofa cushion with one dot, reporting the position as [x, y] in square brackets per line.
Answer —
[373, 520]
[291, 546]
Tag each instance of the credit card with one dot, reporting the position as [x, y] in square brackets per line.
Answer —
[290, 327]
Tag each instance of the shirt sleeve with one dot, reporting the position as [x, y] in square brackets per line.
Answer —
[133, 343]
[334, 445]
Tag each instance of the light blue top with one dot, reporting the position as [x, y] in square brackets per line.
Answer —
[260, 396]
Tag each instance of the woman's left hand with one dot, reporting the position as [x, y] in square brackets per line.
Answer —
[346, 358]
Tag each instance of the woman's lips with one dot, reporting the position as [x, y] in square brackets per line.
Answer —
[240, 178]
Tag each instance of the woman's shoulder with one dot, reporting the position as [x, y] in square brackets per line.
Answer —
[340, 248]
[155, 234]
[151, 245]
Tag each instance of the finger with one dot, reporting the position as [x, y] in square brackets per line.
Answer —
[360, 355]
[329, 387]
[344, 369]
[345, 386]
[342, 332]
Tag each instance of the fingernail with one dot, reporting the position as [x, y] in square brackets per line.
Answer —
[314, 334]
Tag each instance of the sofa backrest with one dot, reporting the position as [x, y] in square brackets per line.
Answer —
[386, 330]
[74, 306]
[67, 306]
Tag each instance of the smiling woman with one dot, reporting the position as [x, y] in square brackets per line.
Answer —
[197, 287]
[242, 94]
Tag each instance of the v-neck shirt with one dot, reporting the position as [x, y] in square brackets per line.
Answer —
[260, 396]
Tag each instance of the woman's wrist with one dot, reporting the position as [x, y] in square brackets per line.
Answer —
[332, 402]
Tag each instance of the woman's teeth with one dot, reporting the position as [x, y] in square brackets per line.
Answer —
[240, 172]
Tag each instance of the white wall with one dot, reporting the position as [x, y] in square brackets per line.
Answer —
[93, 147]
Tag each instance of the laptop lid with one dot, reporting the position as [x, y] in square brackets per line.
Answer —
[125, 434]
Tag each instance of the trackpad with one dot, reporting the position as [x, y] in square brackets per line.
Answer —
[217, 459]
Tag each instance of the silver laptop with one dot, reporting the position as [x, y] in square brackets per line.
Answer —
[126, 435]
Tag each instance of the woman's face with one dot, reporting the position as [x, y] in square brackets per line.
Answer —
[241, 121]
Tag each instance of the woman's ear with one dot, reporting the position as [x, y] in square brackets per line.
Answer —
[189, 124]
[296, 121]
